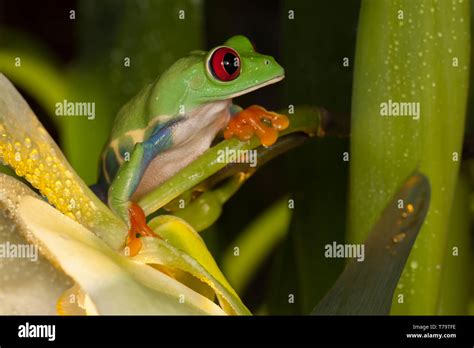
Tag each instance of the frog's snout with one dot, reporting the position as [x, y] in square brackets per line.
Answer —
[270, 64]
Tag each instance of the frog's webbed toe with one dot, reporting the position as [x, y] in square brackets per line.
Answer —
[256, 120]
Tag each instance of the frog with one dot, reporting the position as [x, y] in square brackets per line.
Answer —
[174, 120]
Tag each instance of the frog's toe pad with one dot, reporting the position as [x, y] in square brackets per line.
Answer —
[138, 228]
[256, 120]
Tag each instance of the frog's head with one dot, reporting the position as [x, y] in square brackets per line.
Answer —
[230, 70]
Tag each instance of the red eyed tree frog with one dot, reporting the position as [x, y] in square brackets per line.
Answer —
[174, 120]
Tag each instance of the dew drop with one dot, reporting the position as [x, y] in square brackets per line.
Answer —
[34, 154]
[399, 237]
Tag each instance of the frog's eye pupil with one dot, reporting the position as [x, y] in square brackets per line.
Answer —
[225, 64]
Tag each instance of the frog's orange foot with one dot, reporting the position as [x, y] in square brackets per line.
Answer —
[138, 228]
[256, 120]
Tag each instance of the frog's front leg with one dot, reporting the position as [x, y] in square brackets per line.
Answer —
[255, 120]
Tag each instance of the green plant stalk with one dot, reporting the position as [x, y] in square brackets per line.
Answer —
[409, 56]
[305, 119]
[204, 211]
[255, 242]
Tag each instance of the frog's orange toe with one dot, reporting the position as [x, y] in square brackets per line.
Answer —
[138, 228]
[134, 244]
[256, 120]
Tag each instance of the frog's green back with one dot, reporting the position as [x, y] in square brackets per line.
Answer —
[132, 116]
[163, 97]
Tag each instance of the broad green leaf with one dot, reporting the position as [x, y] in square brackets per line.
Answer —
[366, 288]
[416, 52]
[456, 273]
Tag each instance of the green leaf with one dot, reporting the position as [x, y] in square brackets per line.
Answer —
[419, 53]
[366, 288]
[456, 272]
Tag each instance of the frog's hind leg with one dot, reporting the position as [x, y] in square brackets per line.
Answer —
[125, 183]
[127, 180]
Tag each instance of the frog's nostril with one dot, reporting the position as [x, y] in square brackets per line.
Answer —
[266, 61]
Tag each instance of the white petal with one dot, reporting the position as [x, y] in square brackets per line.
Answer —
[114, 283]
[27, 286]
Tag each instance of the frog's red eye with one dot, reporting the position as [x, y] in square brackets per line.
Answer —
[225, 64]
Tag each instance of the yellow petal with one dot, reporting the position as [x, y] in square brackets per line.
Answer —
[74, 301]
[28, 148]
[184, 249]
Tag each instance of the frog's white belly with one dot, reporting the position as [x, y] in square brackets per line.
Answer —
[191, 138]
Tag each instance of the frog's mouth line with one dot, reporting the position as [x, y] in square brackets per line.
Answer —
[263, 84]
